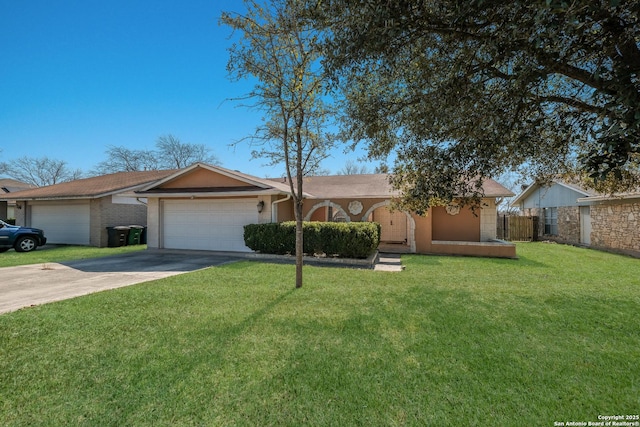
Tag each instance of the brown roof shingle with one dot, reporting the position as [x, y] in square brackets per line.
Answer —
[372, 186]
[88, 188]
[8, 185]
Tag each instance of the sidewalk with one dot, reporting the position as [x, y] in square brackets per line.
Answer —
[388, 262]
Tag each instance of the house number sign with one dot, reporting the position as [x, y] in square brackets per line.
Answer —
[355, 207]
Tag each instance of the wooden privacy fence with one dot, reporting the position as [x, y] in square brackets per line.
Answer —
[517, 228]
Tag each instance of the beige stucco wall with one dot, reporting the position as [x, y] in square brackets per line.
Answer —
[153, 223]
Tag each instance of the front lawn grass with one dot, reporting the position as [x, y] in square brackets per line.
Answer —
[47, 254]
[551, 337]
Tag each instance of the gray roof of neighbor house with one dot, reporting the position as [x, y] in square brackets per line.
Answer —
[8, 185]
[572, 186]
[373, 186]
[89, 188]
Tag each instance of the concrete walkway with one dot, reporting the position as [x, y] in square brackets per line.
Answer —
[388, 262]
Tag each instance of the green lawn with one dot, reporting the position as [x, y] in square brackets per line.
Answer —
[61, 254]
[551, 337]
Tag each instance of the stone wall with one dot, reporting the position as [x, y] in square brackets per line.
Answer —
[568, 224]
[616, 226]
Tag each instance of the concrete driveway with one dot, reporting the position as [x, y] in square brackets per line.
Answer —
[36, 284]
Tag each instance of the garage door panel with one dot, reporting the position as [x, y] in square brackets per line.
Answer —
[63, 223]
[207, 224]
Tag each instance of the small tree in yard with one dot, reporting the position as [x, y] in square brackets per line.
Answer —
[278, 48]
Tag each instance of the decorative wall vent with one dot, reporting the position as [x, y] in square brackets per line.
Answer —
[355, 207]
[452, 209]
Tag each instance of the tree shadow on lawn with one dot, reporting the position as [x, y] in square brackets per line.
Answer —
[437, 260]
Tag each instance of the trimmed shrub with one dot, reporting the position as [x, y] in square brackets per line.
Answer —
[341, 239]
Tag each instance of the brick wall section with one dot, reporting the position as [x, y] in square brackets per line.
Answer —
[105, 214]
[616, 226]
[569, 224]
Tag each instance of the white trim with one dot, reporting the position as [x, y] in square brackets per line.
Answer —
[327, 203]
[265, 184]
[212, 194]
[612, 198]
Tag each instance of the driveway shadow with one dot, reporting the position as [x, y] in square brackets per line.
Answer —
[150, 262]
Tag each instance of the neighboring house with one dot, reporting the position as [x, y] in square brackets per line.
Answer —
[205, 207]
[79, 212]
[571, 214]
[8, 185]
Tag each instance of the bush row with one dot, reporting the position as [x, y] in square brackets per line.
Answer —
[342, 239]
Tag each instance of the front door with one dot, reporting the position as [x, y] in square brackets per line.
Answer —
[585, 225]
[393, 225]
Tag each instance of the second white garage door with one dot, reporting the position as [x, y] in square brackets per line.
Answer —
[63, 223]
[214, 225]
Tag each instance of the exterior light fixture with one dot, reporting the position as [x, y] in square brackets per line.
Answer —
[260, 206]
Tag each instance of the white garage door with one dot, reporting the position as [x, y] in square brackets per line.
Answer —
[215, 225]
[63, 223]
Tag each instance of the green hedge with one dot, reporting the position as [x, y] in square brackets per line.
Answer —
[342, 239]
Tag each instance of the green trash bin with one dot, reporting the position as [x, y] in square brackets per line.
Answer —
[135, 232]
[117, 236]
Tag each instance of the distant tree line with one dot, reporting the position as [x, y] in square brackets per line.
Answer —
[170, 153]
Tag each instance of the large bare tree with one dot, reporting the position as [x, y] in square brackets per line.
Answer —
[170, 153]
[39, 171]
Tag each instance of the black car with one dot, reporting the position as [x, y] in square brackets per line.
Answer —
[22, 239]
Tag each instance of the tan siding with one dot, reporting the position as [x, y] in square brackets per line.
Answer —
[204, 178]
[465, 226]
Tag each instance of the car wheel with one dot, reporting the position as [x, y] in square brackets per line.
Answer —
[26, 244]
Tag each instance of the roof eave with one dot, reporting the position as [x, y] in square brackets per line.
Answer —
[226, 172]
[605, 198]
[34, 199]
[208, 194]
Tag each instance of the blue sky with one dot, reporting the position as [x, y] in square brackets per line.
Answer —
[77, 76]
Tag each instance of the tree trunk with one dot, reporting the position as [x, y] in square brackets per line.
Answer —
[299, 244]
